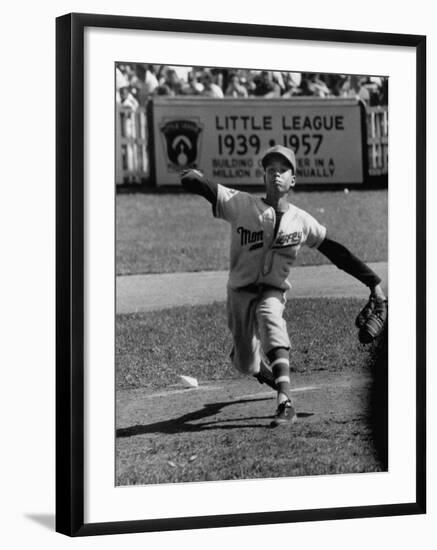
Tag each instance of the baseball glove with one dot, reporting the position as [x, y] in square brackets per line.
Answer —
[371, 319]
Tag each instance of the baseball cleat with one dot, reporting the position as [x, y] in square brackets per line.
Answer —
[374, 324]
[285, 414]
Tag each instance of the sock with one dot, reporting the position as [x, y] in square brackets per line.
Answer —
[280, 366]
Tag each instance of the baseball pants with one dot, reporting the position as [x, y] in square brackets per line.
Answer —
[255, 319]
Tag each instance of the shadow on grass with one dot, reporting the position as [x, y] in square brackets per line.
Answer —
[184, 423]
[379, 399]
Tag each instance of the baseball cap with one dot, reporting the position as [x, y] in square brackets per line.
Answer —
[285, 152]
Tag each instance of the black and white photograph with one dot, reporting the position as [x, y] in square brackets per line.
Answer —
[251, 267]
[235, 207]
[215, 231]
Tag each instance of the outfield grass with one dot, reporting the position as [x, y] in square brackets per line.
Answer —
[153, 348]
[167, 233]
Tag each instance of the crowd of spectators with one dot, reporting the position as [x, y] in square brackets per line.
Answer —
[136, 83]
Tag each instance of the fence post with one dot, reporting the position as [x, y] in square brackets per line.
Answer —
[132, 163]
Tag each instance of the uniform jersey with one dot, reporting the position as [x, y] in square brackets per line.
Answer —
[257, 255]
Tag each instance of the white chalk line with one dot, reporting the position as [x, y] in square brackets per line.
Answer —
[184, 390]
[317, 387]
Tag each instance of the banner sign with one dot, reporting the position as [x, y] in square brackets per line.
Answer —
[225, 138]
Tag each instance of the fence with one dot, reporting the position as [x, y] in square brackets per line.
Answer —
[377, 140]
[131, 142]
[133, 166]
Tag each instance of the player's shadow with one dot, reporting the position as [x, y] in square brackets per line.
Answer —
[189, 422]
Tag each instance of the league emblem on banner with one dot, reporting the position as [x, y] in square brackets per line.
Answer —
[181, 143]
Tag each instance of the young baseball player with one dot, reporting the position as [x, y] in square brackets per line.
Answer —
[266, 236]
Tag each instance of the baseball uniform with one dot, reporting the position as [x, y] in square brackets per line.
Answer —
[260, 263]
[265, 241]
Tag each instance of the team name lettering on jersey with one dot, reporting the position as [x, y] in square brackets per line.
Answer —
[290, 239]
[257, 256]
[249, 237]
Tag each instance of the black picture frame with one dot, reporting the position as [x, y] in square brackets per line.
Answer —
[70, 273]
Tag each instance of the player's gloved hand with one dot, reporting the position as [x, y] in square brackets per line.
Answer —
[372, 317]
